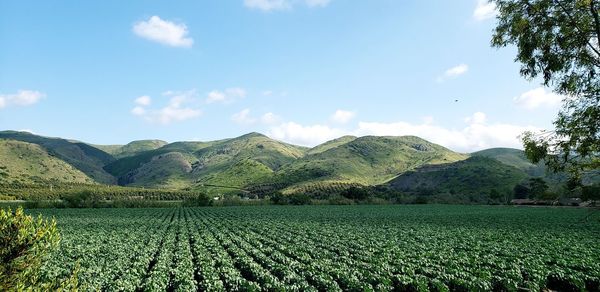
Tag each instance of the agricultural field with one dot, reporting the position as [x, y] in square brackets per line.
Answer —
[328, 248]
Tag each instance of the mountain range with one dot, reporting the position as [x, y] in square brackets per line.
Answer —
[257, 163]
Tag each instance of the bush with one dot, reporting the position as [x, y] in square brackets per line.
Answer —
[299, 199]
[421, 200]
[197, 201]
[24, 244]
[356, 193]
[82, 199]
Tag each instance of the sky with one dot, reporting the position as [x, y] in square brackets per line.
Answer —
[300, 71]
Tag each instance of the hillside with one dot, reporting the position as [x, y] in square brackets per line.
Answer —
[260, 164]
[476, 175]
[513, 157]
[125, 165]
[28, 163]
[366, 160]
[85, 158]
[234, 162]
[131, 148]
[331, 144]
[244, 160]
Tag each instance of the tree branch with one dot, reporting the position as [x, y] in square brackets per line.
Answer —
[574, 23]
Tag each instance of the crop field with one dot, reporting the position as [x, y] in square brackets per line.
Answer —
[328, 248]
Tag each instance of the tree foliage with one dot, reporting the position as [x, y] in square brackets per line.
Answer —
[557, 42]
[24, 243]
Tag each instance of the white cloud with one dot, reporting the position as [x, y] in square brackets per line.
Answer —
[454, 72]
[179, 108]
[484, 10]
[476, 134]
[21, 98]
[537, 98]
[476, 118]
[273, 5]
[164, 32]
[227, 96]
[304, 135]
[143, 100]
[138, 111]
[457, 70]
[270, 119]
[342, 116]
[243, 117]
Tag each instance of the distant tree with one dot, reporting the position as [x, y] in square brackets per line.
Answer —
[557, 41]
[197, 200]
[299, 199]
[356, 193]
[24, 243]
[495, 194]
[537, 187]
[521, 192]
[591, 192]
[420, 199]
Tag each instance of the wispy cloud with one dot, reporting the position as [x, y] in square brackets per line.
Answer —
[243, 117]
[274, 5]
[537, 98]
[485, 9]
[342, 116]
[228, 95]
[307, 135]
[164, 32]
[143, 100]
[180, 107]
[21, 98]
[270, 118]
[454, 72]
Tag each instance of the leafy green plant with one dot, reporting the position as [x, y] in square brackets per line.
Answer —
[24, 244]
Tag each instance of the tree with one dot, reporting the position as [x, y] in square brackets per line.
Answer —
[356, 193]
[521, 192]
[24, 243]
[537, 187]
[557, 41]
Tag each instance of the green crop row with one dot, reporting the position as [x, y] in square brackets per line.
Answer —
[329, 248]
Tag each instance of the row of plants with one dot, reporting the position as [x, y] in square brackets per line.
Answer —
[328, 248]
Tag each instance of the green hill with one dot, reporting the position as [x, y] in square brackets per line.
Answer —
[243, 160]
[260, 164]
[28, 163]
[132, 148]
[330, 144]
[515, 158]
[87, 159]
[121, 167]
[233, 162]
[366, 160]
[476, 175]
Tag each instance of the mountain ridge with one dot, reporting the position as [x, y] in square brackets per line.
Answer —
[256, 162]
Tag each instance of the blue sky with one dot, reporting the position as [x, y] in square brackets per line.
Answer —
[301, 71]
